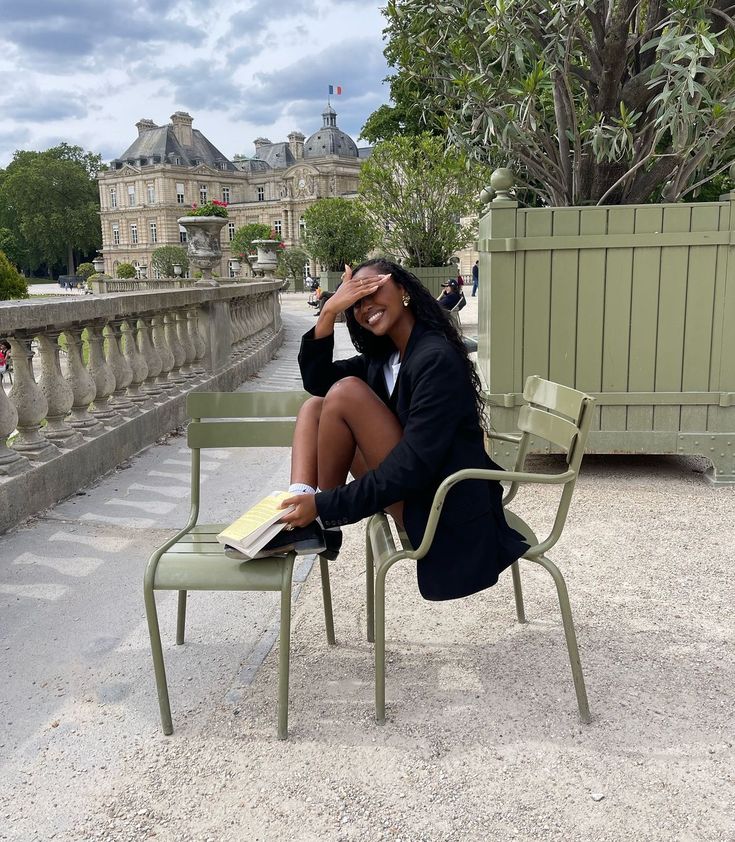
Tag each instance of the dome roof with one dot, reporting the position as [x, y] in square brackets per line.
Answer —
[329, 140]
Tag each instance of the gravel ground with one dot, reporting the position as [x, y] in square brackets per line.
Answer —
[482, 740]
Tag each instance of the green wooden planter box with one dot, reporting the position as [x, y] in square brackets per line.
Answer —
[633, 304]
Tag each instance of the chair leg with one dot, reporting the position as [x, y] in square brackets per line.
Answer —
[158, 665]
[181, 618]
[518, 591]
[571, 638]
[284, 648]
[327, 598]
[369, 586]
[380, 646]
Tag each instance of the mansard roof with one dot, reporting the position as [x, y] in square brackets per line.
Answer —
[160, 145]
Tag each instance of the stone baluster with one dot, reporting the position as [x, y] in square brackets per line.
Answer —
[248, 323]
[58, 392]
[136, 361]
[103, 376]
[167, 358]
[198, 342]
[152, 357]
[177, 350]
[11, 462]
[82, 385]
[182, 328]
[238, 328]
[30, 403]
[121, 370]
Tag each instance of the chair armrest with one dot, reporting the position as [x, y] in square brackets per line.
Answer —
[504, 437]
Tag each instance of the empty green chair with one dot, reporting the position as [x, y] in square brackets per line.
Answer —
[193, 559]
[554, 413]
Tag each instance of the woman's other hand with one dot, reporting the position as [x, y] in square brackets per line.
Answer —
[304, 511]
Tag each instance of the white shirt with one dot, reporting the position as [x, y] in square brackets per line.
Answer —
[390, 371]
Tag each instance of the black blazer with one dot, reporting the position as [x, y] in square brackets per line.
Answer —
[434, 402]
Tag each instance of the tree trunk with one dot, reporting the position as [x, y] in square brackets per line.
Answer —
[69, 260]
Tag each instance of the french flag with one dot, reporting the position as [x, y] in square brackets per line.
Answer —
[335, 89]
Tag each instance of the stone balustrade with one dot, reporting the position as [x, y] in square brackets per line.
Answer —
[98, 378]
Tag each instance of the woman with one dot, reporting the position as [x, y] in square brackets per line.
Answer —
[400, 417]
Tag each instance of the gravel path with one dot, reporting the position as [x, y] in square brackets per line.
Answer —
[482, 740]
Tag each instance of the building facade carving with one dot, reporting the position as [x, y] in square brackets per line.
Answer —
[169, 168]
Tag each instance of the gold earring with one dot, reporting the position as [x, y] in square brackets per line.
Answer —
[406, 298]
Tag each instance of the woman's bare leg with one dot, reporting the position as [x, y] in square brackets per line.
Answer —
[356, 431]
[304, 465]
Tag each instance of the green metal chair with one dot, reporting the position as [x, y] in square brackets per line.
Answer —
[193, 559]
[555, 413]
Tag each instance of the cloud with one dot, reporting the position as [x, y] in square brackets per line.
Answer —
[199, 84]
[36, 106]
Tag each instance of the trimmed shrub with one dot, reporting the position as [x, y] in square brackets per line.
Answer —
[126, 270]
[12, 283]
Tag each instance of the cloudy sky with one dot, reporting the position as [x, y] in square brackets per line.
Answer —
[85, 71]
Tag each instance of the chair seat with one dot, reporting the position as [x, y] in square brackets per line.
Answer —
[198, 562]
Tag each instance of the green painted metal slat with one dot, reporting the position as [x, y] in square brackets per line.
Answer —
[537, 302]
[255, 433]
[721, 399]
[563, 312]
[609, 241]
[244, 404]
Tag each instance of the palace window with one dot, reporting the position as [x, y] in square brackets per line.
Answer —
[231, 231]
[302, 226]
[202, 194]
[226, 195]
[153, 229]
[150, 193]
[233, 266]
[182, 234]
[134, 233]
[277, 227]
[261, 194]
[115, 233]
[179, 193]
[113, 197]
[131, 195]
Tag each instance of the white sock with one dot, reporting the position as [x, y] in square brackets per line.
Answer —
[301, 488]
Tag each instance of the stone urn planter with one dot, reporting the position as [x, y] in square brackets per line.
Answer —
[203, 246]
[267, 260]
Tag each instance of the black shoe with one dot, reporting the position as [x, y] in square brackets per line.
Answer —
[301, 540]
[333, 541]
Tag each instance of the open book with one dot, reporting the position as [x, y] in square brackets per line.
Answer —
[252, 531]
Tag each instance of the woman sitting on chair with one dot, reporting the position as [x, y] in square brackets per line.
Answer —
[400, 417]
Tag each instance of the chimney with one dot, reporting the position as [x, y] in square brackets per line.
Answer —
[259, 143]
[181, 122]
[296, 144]
[144, 125]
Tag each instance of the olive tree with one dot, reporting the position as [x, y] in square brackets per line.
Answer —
[415, 193]
[616, 101]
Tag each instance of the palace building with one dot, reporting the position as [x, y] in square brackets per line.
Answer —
[169, 168]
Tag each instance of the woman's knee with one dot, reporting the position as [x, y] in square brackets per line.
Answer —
[311, 409]
[348, 389]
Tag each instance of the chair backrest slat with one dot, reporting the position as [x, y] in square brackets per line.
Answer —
[244, 404]
[254, 433]
[561, 399]
[553, 428]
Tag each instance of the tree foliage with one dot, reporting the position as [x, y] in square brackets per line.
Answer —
[338, 232]
[12, 283]
[126, 270]
[49, 201]
[164, 258]
[85, 270]
[616, 101]
[291, 263]
[415, 193]
[242, 242]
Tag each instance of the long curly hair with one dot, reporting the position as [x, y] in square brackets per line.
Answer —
[427, 310]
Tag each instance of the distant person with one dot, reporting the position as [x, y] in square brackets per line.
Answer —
[450, 294]
[475, 277]
[460, 280]
[5, 367]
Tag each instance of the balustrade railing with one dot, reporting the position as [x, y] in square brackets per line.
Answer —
[85, 367]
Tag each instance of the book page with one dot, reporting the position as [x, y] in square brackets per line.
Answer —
[264, 513]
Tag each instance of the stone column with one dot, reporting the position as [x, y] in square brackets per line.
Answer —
[30, 403]
[11, 462]
[82, 385]
[152, 357]
[58, 392]
[104, 379]
[136, 361]
[167, 357]
[121, 370]
[187, 344]
[200, 346]
[177, 349]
